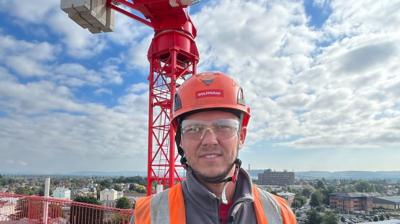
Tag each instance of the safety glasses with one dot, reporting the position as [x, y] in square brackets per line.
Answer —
[223, 128]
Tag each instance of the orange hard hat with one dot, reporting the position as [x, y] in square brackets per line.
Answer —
[209, 90]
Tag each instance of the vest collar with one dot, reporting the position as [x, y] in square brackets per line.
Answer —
[203, 198]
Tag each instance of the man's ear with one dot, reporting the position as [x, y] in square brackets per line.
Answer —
[242, 136]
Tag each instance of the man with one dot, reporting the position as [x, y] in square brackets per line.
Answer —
[210, 120]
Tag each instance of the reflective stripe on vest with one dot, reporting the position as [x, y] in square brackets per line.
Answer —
[266, 208]
[168, 207]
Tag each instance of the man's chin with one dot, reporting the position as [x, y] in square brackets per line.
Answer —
[210, 175]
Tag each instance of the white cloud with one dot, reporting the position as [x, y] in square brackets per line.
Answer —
[45, 122]
[337, 87]
[320, 95]
[79, 42]
[30, 11]
[26, 58]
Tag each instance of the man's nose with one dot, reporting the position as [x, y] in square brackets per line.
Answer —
[209, 137]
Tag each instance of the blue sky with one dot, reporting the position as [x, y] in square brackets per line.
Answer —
[322, 79]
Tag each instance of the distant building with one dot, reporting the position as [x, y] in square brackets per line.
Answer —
[391, 221]
[387, 202]
[288, 196]
[350, 202]
[86, 192]
[110, 195]
[269, 177]
[61, 192]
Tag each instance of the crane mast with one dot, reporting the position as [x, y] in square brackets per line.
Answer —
[173, 55]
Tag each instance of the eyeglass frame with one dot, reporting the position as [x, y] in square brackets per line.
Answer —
[210, 125]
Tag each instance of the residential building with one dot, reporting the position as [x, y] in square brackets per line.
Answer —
[110, 194]
[350, 202]
[269, 177]
[387, 202]
[63, 193]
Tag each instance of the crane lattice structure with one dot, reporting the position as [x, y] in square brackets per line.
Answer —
[173, 57]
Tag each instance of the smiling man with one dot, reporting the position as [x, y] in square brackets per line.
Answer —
[210, 120]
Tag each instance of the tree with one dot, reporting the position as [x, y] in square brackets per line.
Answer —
[329, 218]
[123, 203]
[105, 184]
[316, 198]
[117, 187]
[363, 186]
[306, 192]
[320, 184]
[381, 217]
[2, 181]
[88, 200]
[313, 217]
[299, 201]
[325, 194]
[140, 189]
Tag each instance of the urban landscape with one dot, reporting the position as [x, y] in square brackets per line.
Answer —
[325, 201]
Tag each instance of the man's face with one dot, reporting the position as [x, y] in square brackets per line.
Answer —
[214, 152]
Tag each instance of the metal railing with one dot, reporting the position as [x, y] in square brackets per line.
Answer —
[45, 210]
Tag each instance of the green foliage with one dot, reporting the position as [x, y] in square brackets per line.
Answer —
[123, 203]
[363, 186]
[329, 218]
[299, 201]
[320, 184]
[89, 200]
[376, 218]
[306, 192]
[27, 190]
[140, 189]
[135, 179]
[325, 194]
[117, 187]
[381, 217]
[313, 217]
[105, 184]
[2, 181]
[316, 198]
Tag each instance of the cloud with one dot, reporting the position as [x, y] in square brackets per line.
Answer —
[80, 42]
[45, 121]
[26, 58]
[308, 88]
[29, 11]
[337, 87]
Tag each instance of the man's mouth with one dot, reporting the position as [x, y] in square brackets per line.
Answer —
[210, 155]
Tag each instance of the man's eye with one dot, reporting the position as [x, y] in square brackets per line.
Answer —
[194, 129]
[223, 127]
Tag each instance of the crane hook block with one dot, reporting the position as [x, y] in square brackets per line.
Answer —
[90, 14]
[184, 3]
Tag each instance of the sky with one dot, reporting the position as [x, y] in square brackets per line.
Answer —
[322, 79]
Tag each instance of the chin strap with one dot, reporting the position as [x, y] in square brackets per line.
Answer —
[233, 178]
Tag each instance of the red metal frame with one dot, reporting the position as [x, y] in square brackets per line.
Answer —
[172, 55]
[31, 209]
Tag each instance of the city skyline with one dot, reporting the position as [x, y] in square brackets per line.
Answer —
[322, 79]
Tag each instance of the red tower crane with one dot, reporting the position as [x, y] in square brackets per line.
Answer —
[172, 55]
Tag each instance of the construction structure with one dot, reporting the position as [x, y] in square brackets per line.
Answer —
[173, 57]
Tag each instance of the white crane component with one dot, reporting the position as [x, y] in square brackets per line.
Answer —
[90, 14]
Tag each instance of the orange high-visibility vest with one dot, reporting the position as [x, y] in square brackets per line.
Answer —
[168, 207]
